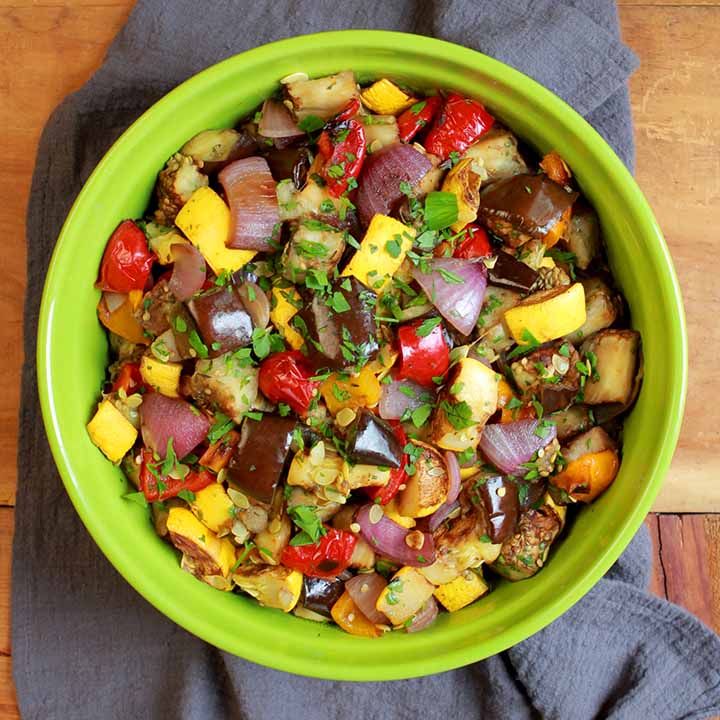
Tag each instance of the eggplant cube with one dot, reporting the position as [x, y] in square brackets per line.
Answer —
[222, 320]
[616, 353]
[373, 442]
[257, 464]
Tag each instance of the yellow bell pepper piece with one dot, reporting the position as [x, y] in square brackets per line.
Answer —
[282, 311]
[348, 616]
[463, 590]
[547, 315]
[463, 182]
[182, 523]
[384, 361]
[381, 252]
[212, 507]
[111, 431]
[205, 220]
[385, 98]
[361, 390]
[160, 376]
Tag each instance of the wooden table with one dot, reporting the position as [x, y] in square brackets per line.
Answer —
[50, 48]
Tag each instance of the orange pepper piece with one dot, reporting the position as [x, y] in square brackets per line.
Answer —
[361, 390]
[122, 322]
[347, 615]
[588, 476]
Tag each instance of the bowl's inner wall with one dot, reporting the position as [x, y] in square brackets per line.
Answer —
[76, 354]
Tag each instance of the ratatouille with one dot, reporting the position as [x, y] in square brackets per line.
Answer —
[365, 347]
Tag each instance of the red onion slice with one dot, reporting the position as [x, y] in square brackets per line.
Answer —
[509, 445]
[441, 514]
[250, 191]
[388, 538]
[277, 122]
[162, 418]
[379, 189]
[424, 617]
[189, 271]
[364, 590]
[456, 287]
[400, 396]
[453, 468]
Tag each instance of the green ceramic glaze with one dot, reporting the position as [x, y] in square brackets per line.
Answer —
[72, 353]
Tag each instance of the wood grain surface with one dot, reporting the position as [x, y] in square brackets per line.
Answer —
[51, 47]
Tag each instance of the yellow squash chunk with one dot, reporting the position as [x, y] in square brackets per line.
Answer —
[160, 376]
[404, 595]
[282, 311]
[356, 391]
[209, 553]
[427, 488]
[386, 98]
[463, 590]
[122, 320]
[547, 315]
[463, 182]
[470, 385]
[205, 220]
[111, 431]
[273, 586]
[391, 510]
[588, 476]
[212, 506]
[347, 615]
[381, 252]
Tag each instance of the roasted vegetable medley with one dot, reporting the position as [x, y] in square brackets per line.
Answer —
[366, 346]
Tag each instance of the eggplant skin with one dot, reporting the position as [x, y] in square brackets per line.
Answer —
[320, 594]
[525, 552]
[340, 339]
[222, 320]
[500, 498]
[257, 463]
[373, 442]
[522, 207]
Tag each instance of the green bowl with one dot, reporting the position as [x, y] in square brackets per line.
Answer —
[72, 353]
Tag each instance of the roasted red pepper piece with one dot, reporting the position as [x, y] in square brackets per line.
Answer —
[128, 379]
[159, 487]
[343, 147]
[475, 244]
[285, 377]
[417, 117]
[127, 260]
[422, 358]
[328, 557]
[397, 475]
[460, 123]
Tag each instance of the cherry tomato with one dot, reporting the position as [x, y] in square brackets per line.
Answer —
[417, 117]
[328, 557]
[127, 260]
[460, 123]
[342, 146]
[128, 379]
[422, 357]
[397, 475]
[475, 244]
[284, 377]
[160, 487]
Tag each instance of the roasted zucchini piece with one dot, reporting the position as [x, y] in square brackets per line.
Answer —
[523, 554]
[323, 97]
[601, 309]
[313, 246]
[497, 155]
[616, 354]
[582, 235]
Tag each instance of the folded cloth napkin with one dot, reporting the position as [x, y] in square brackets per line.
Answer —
[87, 646]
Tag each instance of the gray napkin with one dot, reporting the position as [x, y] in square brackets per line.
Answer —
[87, 646]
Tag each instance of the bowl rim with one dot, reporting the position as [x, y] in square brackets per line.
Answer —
[657, 468]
